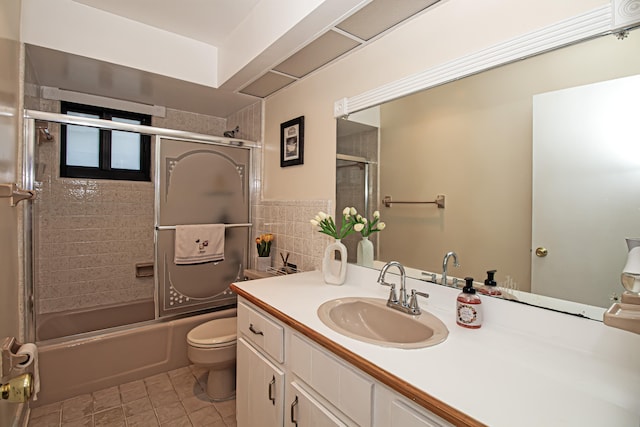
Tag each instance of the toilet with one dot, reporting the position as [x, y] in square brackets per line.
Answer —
[213, 345]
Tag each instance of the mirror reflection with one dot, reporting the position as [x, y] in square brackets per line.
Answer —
[539, 161]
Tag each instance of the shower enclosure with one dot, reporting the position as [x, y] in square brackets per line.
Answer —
[357, 175]
[99, 247]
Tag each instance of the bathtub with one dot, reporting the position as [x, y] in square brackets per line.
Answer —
[97, 361]
[73, 322]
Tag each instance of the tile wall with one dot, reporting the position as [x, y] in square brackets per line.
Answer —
[289, 220]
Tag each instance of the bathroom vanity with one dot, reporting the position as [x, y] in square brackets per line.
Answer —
[526, 366]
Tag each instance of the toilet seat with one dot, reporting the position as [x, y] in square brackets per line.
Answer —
[214, 333]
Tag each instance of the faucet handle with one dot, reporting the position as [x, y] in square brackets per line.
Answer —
[393, 297]
[431, 276]
[413, 302]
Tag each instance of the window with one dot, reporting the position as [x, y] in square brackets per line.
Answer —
[88, 152]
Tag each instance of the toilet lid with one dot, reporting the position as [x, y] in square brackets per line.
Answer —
[213, 332]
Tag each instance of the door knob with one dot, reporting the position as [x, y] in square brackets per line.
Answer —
[541, 252]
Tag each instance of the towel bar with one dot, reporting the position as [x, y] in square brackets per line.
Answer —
[173, 227]
[438, 201]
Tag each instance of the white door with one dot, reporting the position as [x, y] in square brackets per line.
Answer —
[586, 188]
[259, 389]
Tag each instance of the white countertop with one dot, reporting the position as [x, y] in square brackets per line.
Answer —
[526, 366]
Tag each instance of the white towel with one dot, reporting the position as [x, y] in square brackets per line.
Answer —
[195, 244]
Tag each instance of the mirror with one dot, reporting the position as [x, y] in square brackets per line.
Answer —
[497, 145]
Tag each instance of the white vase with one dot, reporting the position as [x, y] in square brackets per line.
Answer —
[364, 255]
[263, 263]
[631, 271]
[334, 271]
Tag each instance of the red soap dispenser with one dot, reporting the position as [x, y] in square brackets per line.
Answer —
[490, 285]
[469, 306]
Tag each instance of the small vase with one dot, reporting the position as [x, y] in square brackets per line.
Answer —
[334, 271]
[263, 263]
[631, 272]
[364, 255]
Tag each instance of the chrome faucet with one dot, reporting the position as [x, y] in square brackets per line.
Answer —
[410, 307]
[403, 290]
[445, 261]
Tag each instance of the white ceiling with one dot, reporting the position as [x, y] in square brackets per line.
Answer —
[212, 22]
[209, 21]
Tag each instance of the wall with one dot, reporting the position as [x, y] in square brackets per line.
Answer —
[10, 105]
[448, 30]
[91, 233]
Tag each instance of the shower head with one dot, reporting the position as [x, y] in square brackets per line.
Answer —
[232, 133]
[43, 130]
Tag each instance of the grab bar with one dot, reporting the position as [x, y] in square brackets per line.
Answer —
[438, 201]
[173, 227]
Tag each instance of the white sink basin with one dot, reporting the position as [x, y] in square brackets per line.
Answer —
[370, 320]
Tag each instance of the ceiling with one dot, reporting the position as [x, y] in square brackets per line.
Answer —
[211, 22]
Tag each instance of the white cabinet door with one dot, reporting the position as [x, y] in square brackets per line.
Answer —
[394, 410]
[259, 389]
[305, 411]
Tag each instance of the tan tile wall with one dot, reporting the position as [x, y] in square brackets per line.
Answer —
[249, 120]
[191, 122]
[91, 233]
[289, 222]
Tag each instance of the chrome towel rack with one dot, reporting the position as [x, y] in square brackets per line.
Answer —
[173, 227]
[439, 201]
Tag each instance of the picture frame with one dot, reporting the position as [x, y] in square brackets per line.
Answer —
[292, 142]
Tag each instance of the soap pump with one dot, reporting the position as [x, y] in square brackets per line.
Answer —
[469, 309]
[490, 285]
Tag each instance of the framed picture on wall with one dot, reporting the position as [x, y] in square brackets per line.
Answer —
[292, 142]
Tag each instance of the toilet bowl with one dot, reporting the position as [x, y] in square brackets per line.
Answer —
[212, 345]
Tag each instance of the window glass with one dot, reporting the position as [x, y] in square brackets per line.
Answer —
[87, 152]
[125, 147]
[83, 143]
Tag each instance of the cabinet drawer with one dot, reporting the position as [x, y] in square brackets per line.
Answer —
[261, 331]
[340, 384]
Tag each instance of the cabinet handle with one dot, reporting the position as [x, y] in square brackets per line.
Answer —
[293, 407]
[252, 329]
[272, 386]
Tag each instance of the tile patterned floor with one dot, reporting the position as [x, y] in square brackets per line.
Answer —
[172, 399]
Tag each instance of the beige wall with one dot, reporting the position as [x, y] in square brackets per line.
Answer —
[9, 142]
[449, 30]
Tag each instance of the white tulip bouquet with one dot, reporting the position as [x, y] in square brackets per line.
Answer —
[325, 224]
[366, 227]
[351, 222]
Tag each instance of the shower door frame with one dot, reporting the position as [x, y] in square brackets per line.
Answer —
[28, 181]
